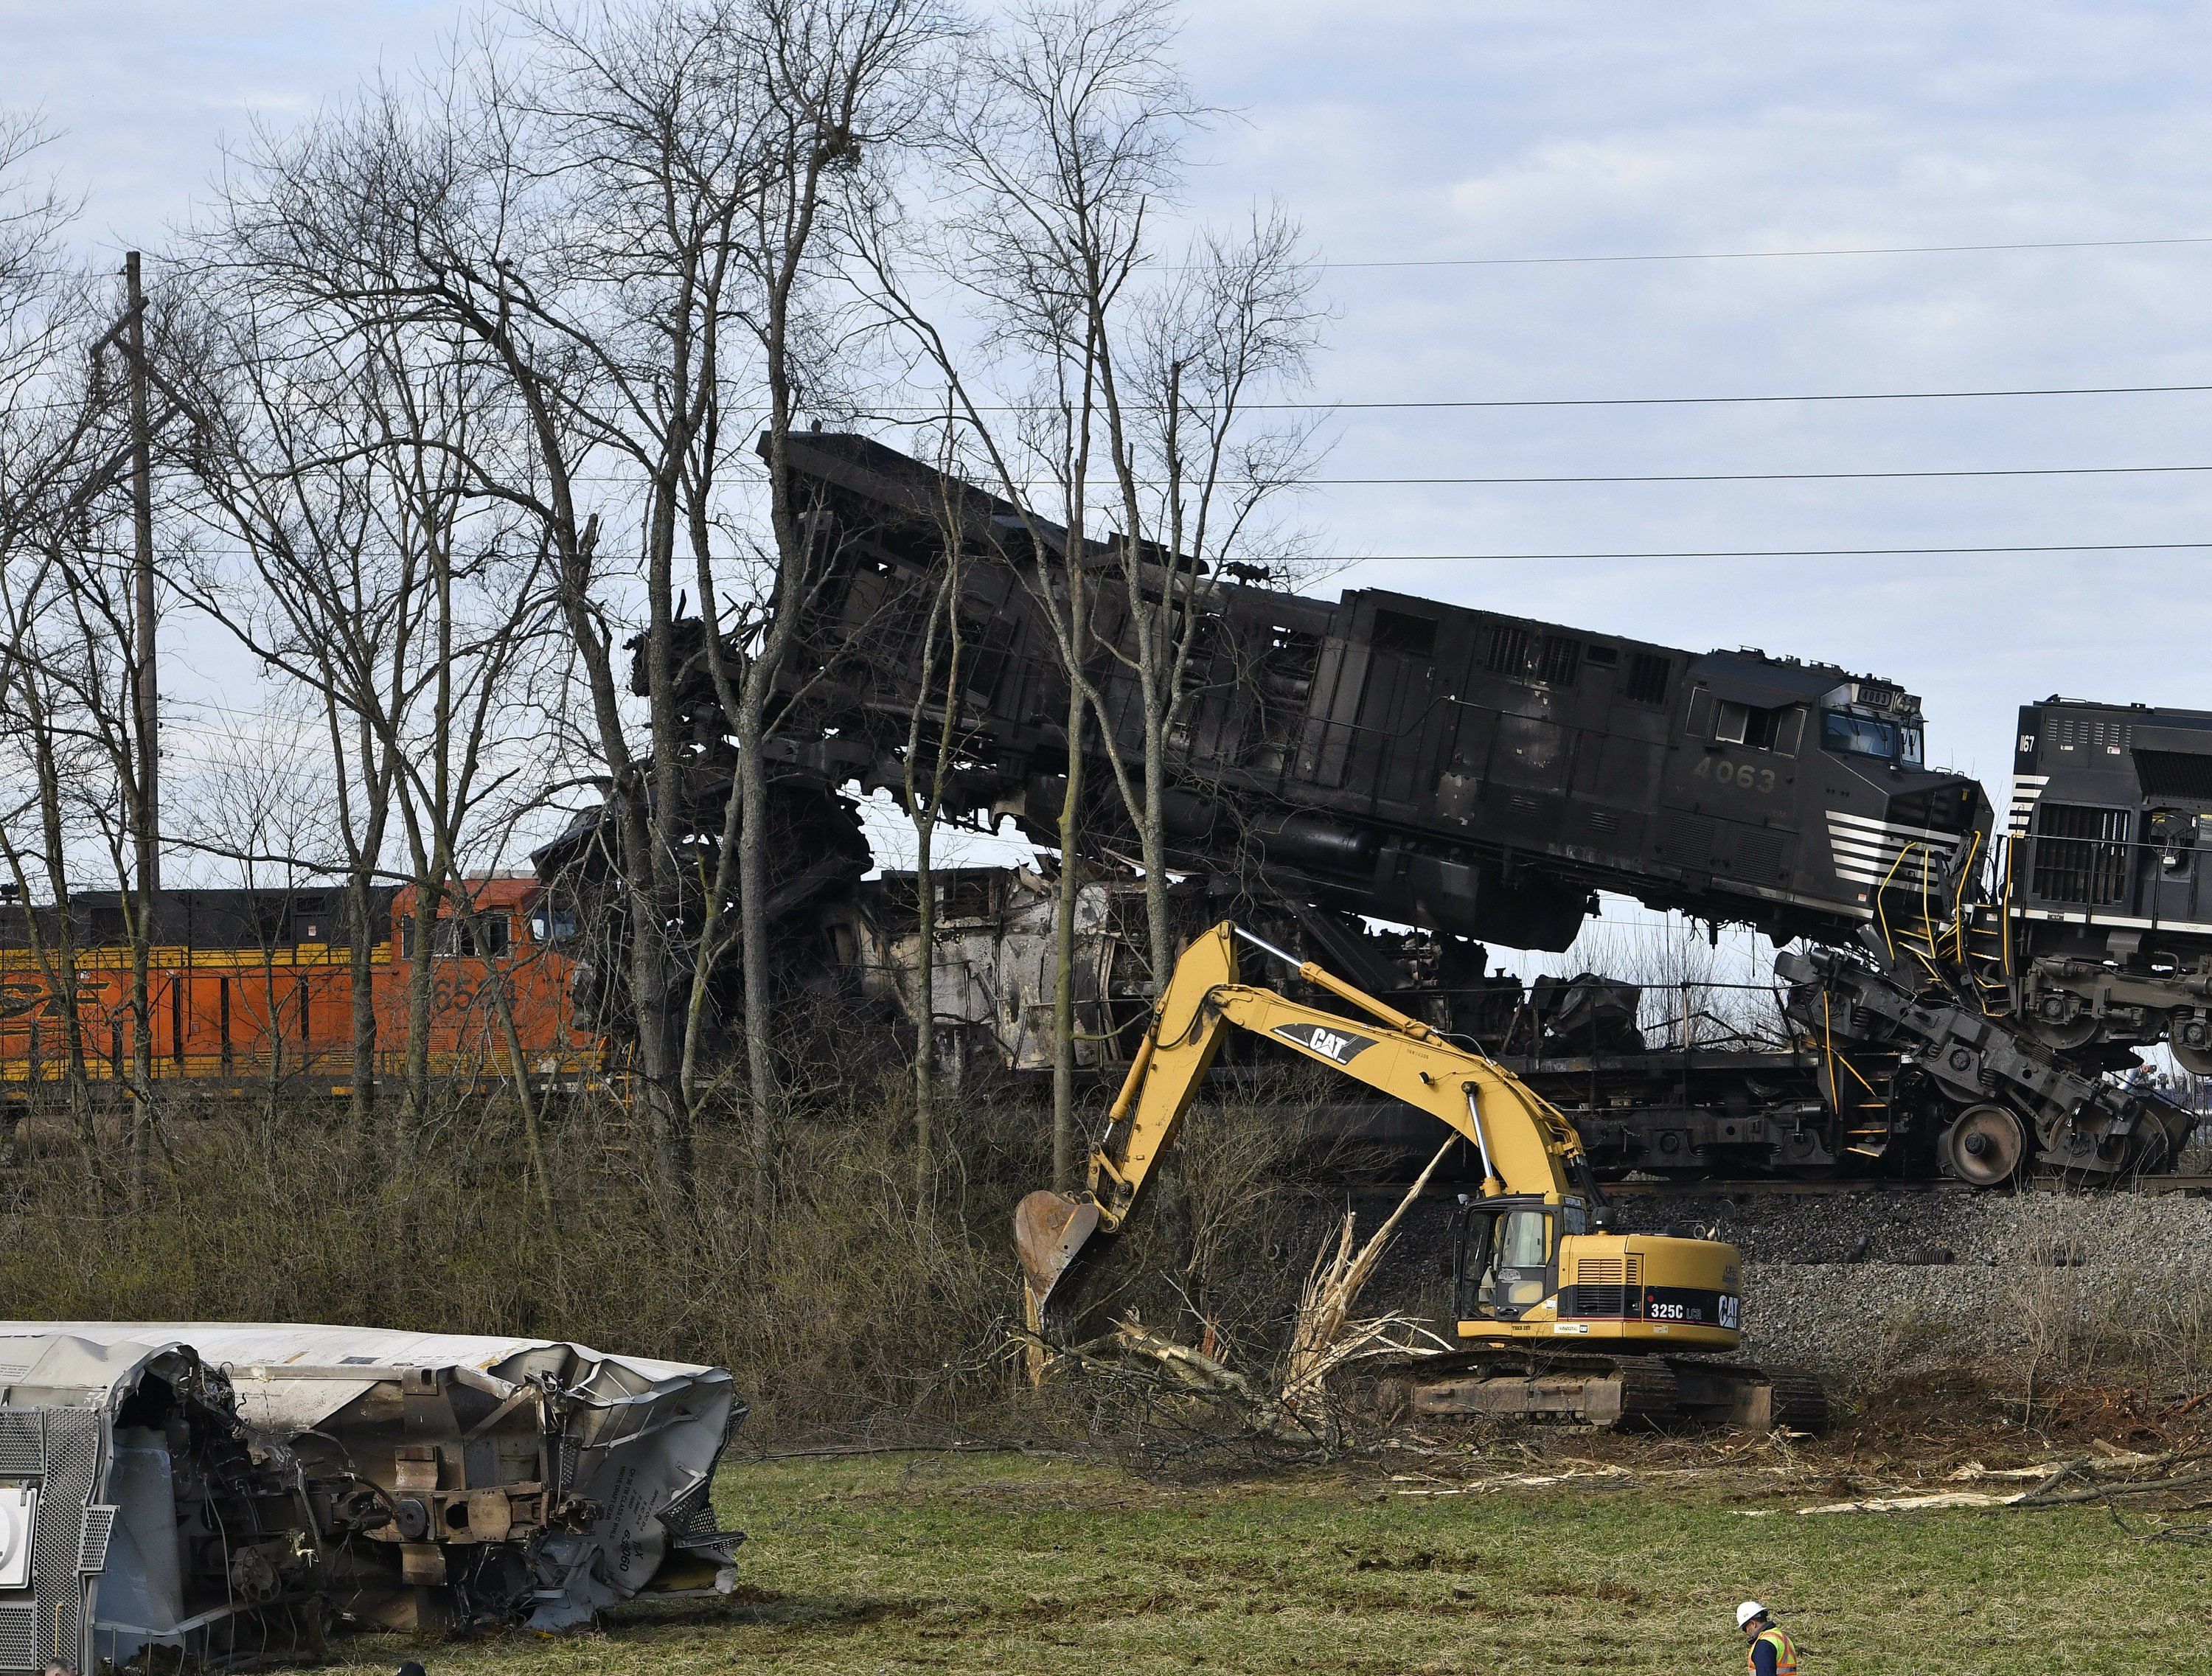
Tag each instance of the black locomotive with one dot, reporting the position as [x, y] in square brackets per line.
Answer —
[2105, 893]
[1458, 769]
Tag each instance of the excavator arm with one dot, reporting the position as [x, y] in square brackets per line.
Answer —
[1526, 1147]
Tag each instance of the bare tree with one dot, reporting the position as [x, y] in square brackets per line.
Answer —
[1064, 150]
[933, 738]
[1198, 473]
[620, 215]
[333, 454]
[92, 665]
[76, 753]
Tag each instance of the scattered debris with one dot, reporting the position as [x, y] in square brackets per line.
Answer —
[1941, 1499]
[1526, 1481]
[2104, 1475]
[1325, 1337]
[1325, 1340]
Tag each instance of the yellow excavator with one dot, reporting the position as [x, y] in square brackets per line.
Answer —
[1558, 1316]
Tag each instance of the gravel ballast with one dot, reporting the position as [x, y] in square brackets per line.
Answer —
[1865, 1287]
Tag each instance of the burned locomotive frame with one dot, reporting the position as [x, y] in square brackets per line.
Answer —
[1467, 774]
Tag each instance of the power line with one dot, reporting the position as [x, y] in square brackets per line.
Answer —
[1687, 256]
[1763, 553]
[1443, 403]
[1635, 477]
[1732, 476]
[1763, 255]
[1774, 476]
[1730, 401]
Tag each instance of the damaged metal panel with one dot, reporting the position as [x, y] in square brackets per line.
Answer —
[992, 962]
[453, 1480]
[134, 1510]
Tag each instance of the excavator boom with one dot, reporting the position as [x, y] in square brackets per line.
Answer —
[1525, 1144]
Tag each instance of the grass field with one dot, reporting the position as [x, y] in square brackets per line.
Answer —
[1014, 1565]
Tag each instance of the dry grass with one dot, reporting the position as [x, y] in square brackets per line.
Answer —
[861, 1308]
[855, 1306]
[2106, 1288]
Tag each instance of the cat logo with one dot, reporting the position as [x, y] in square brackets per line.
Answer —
[1339, 1045]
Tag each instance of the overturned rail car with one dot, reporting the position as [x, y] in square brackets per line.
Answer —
[135, 1513]
[399, 1480]
[1437, 765]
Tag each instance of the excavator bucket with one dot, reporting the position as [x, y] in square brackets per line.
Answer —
[1049, 1229]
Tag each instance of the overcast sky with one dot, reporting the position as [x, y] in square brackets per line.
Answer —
[1452, 131]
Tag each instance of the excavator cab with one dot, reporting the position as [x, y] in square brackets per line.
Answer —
[1506, 1256]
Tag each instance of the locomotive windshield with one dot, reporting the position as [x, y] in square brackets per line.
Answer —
[1869, 736]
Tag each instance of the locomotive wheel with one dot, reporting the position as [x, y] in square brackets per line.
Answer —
[2197, 1061]
[2073, 1033]
[1984, 1147]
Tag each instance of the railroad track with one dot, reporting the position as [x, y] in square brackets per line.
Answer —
[1776, 1189]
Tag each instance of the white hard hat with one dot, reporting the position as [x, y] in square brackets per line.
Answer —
[1747, 1612]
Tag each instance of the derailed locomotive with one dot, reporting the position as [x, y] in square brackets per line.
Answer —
[2107, 908]
[1435, 765]
[1479, 775]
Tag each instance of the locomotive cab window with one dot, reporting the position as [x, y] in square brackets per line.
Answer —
[1749, 726]
[1868, 736]
[553, 922]
[1400, 632]
[1857, 736]
[485, 936]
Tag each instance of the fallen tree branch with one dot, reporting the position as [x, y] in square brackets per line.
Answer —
[1324, 1338]
[2106, 1491]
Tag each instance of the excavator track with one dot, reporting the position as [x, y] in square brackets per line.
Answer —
[1632, 1392]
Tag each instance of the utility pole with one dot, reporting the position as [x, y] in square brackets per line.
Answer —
[146, 690]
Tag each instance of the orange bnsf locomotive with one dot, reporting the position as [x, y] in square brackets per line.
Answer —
[251, 987]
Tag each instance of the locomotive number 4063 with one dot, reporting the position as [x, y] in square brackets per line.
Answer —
[1751, 778]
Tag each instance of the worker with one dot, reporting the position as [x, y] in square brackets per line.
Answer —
[1772, 1653]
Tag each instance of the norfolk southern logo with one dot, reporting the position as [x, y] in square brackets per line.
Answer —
[1331, 1044]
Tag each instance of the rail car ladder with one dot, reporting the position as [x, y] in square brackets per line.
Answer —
[1860, 1106]
[1986, 951]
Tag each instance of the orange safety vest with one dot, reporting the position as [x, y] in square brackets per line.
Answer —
[1785, 1651]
